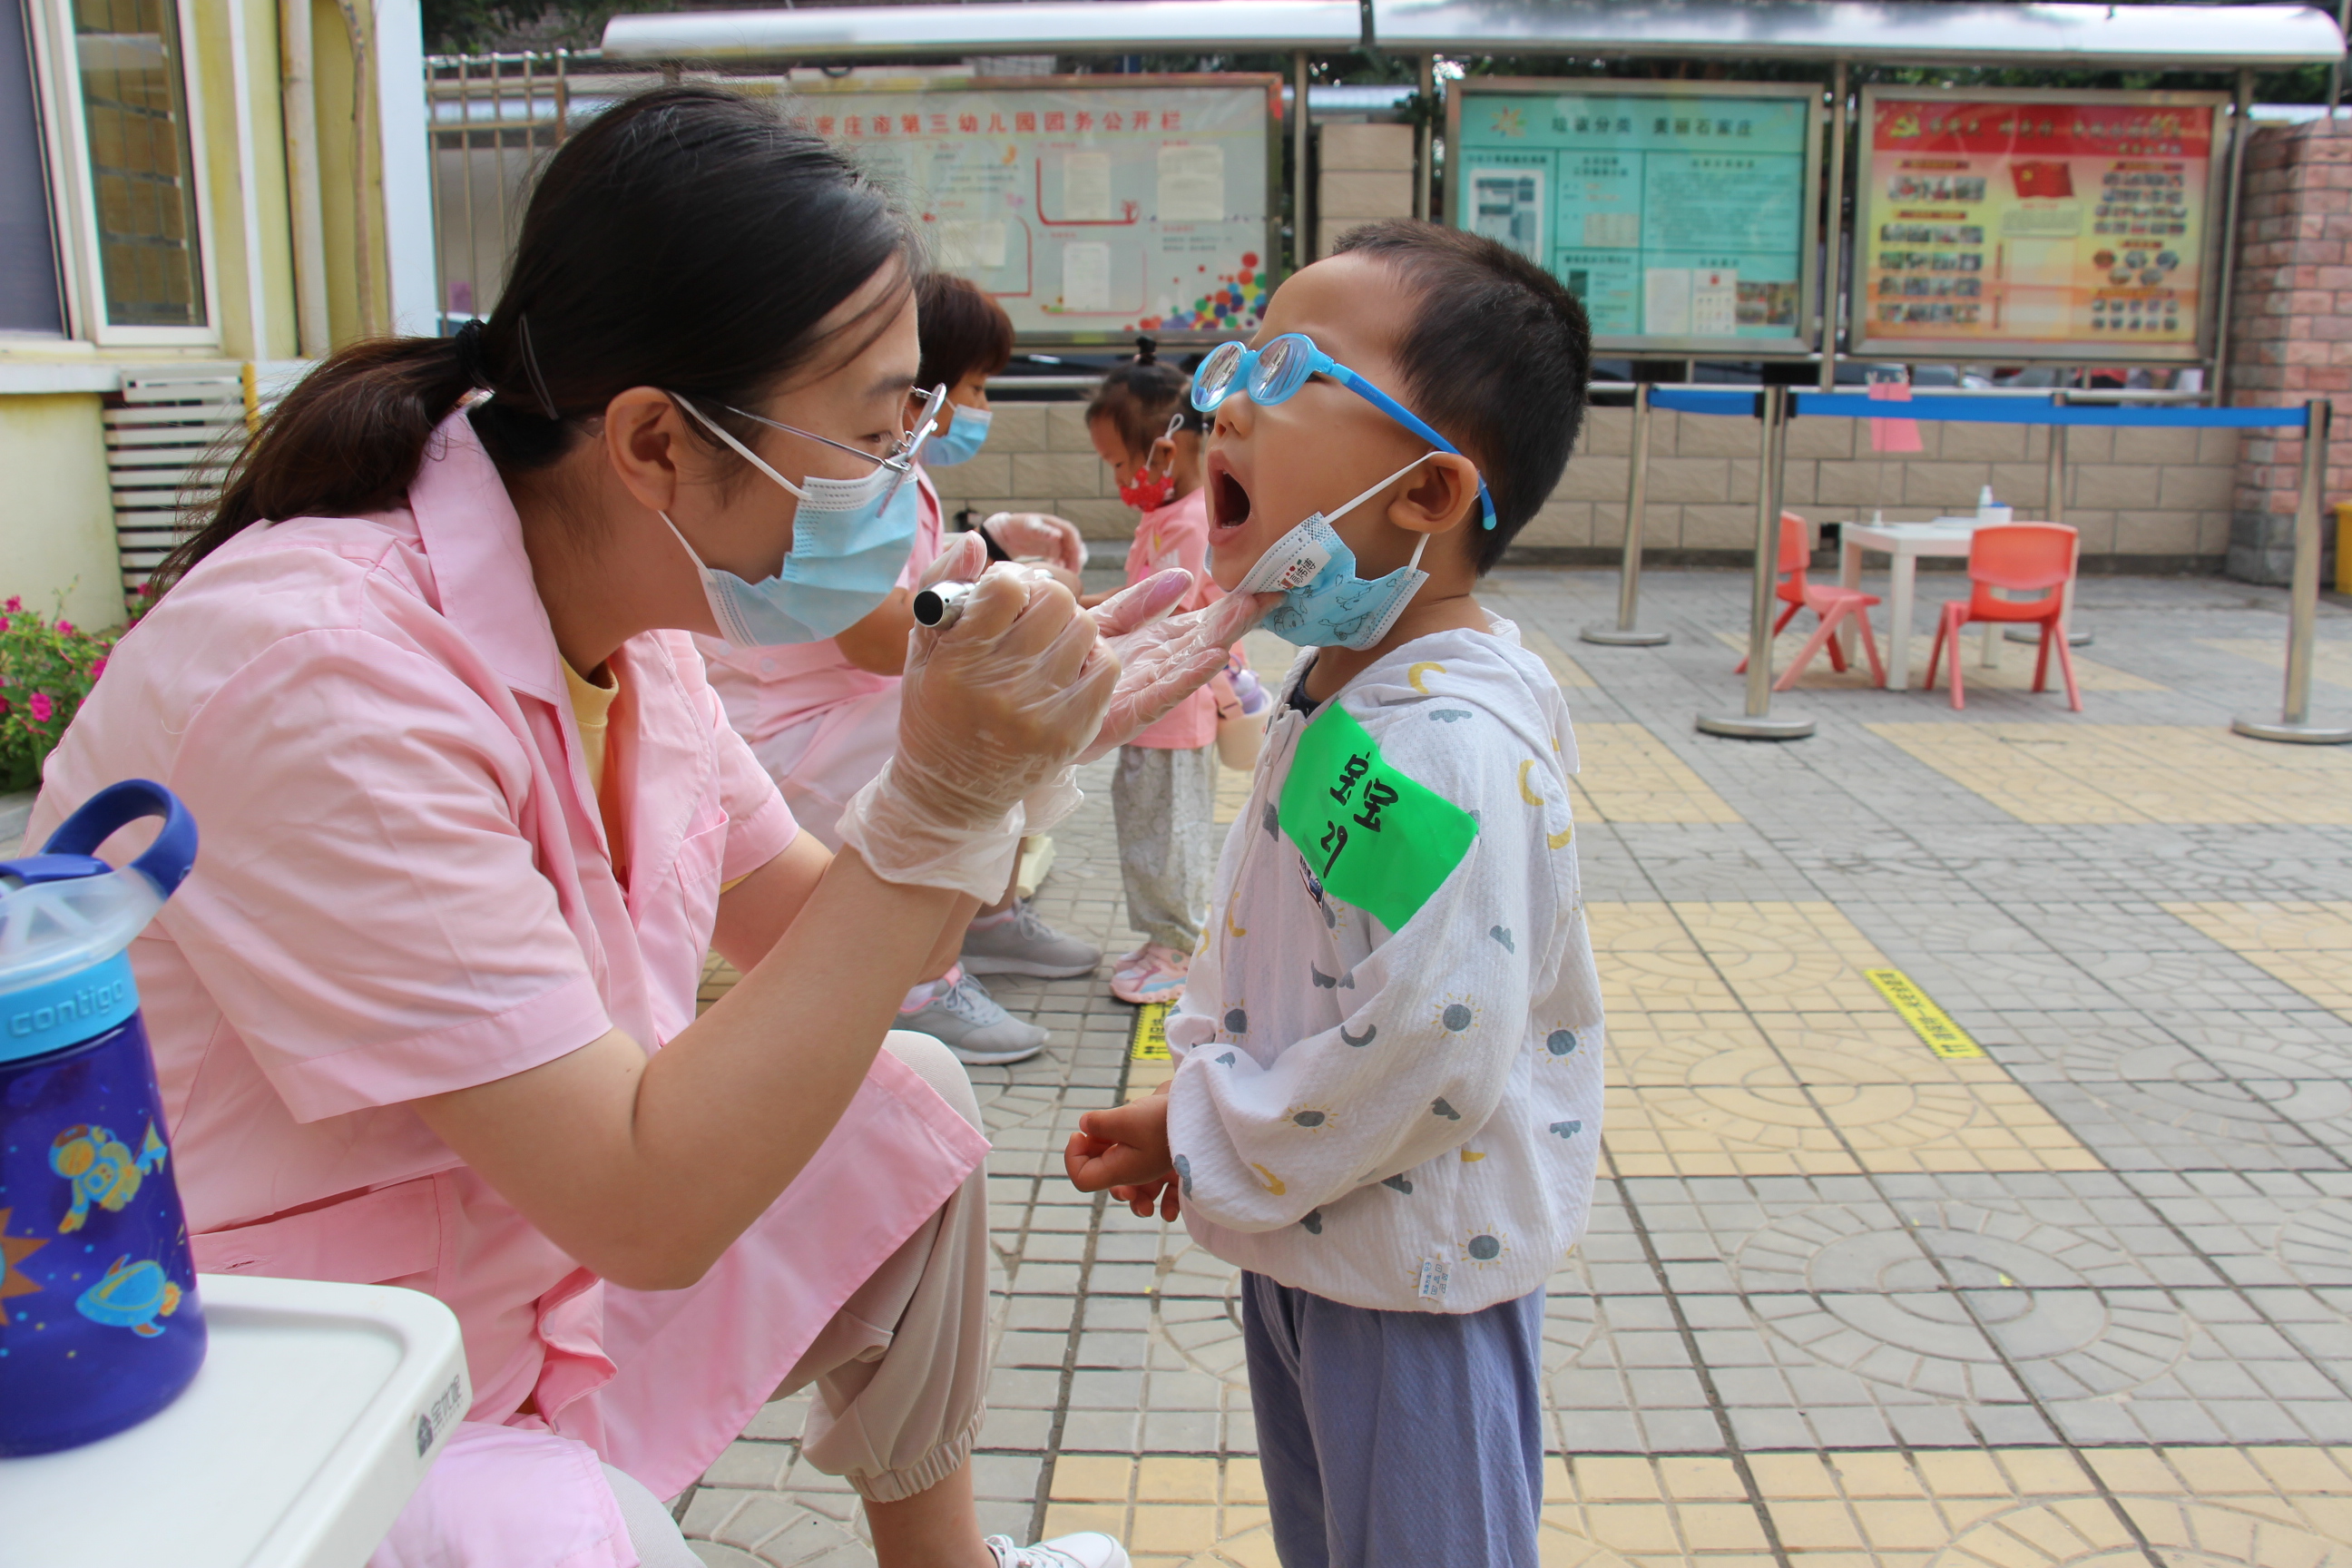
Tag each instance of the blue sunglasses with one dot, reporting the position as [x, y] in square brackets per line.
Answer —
[1275, 373]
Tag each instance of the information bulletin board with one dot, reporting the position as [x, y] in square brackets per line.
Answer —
[1092, 207]
[1683, 214]
[2036, 225]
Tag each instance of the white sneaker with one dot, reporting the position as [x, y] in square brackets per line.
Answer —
[1024, 944]
[967, 1020]
[1085, 1550]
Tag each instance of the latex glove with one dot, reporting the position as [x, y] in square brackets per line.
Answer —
[992, 710]
[1037, 536]
[1165, 659]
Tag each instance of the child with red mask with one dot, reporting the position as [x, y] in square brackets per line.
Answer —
[1163, 793]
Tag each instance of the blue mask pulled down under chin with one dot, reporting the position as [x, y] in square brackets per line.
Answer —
[1325, 604]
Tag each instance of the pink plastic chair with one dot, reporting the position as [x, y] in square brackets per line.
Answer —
[1833, 604]
[2021, 557]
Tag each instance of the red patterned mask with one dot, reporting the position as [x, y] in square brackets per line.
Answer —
[1147, 491]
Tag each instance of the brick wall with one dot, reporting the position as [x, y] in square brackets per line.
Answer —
[2291, 329]
[2155, 500]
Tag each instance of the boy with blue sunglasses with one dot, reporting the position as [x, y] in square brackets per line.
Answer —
[1387, 1105]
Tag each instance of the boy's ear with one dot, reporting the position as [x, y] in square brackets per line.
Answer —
[1443, 494]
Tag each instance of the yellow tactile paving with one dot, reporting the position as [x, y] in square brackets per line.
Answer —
[1564, 669]
[1233, 794]
[2307, 945]
[1169, 1509]
[2014, 673]
[1972, 1508]
[1627, 774]
[2177, 775]
[2330, 661]
[718, 977]
[1744, 1040]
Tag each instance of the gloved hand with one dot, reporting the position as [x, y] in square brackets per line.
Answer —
[1164, 660]
[1039, 536]
[992, 713]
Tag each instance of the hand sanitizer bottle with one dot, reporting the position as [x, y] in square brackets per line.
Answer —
[1989, 510]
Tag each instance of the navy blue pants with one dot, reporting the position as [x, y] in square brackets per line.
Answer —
[1397, 1439]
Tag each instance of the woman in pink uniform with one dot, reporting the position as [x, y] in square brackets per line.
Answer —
[823, 717]
[424, 1012]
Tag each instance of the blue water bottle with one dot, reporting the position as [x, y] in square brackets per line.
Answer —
[99, 1327]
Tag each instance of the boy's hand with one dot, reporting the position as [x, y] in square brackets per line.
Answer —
[1162, 1195]
[1124, 1151]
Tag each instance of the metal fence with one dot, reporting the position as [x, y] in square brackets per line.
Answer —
[492, 118]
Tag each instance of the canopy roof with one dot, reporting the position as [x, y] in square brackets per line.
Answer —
[1045, 27]
[1903, 32]
[1883, 31]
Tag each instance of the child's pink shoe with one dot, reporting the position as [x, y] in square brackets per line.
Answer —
[1153, 973]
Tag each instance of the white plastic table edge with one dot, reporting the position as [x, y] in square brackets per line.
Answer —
[325, 1520]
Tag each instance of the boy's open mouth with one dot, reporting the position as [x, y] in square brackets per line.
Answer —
[1229, 500]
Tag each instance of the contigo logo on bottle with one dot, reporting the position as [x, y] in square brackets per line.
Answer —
[89, 1002]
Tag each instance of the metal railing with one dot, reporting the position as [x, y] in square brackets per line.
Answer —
[491, 119]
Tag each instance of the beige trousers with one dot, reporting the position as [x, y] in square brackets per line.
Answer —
[902, 1369]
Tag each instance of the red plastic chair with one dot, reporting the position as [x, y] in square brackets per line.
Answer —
[2021, 557]
[1833, 604]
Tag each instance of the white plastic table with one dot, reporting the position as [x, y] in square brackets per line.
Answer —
[1904, 542]
[317, 1412]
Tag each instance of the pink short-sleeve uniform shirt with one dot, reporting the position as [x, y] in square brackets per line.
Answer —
[403, 889]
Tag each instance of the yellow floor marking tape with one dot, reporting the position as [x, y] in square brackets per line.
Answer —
[1149, 1041]
[1930, 1022]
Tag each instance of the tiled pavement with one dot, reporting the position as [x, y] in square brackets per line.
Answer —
[2085, 1299]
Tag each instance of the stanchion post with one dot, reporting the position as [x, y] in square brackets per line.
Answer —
[1302, 238]
[1758, 721]
[2054, 505]
[1624, 633]
[1836, 225]
[2054, 510]
[2302, 600]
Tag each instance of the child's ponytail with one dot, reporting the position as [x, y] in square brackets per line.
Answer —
[1139, 398]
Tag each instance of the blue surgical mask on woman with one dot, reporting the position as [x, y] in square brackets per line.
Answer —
[851, 538]
[961, 441]
[1324, 603]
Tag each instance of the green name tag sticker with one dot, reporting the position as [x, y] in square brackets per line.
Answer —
[1373, 835]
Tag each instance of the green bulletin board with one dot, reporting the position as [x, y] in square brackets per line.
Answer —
[1683, 216]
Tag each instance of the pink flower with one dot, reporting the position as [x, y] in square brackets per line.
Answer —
[98, 667]
[41, 707]
[65, 629]
[4, 623]
[4, 709]
[15, 602]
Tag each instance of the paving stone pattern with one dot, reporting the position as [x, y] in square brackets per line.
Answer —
[2085, 1300]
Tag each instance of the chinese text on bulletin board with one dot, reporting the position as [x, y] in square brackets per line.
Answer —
[1678, 216]
[2035, 222]
[1088, 210]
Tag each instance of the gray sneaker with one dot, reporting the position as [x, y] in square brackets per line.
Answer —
[967, 1020]
[1027, 945]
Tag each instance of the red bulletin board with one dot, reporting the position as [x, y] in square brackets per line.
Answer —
[2036, 225]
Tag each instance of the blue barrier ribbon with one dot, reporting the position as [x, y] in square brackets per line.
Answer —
[1685, 401]
[2030, 411]
[1984, 410]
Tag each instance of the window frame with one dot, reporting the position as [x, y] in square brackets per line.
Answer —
[75, 204]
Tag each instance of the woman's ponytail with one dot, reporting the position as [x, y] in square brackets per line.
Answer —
[348, 438]
[685, 238]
